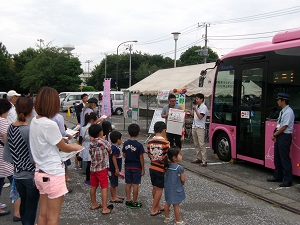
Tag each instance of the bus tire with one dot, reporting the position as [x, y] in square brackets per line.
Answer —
[223, 147]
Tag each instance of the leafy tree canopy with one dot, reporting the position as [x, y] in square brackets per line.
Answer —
[191, 57]
[52, 67]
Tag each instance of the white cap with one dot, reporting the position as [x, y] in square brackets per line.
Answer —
[12, 93]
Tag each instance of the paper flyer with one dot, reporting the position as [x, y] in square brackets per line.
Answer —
[68, 155]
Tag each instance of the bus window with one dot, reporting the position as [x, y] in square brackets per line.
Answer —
[223, 102]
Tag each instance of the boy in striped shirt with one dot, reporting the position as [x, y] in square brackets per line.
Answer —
[157, 150]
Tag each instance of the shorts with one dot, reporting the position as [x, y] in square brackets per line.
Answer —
[67, 163]
[53, 186]
[133, 176]
[114, 180]
[157, 178]
[99, 177]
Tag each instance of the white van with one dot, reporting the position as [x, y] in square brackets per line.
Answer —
[117, 98]
[63, 95]
[72, 97]
[1, 94]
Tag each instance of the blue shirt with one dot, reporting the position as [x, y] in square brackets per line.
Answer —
[115, 151]
[286, 118]
[133, 149]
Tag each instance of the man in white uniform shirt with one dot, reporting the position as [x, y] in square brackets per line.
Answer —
[12, 97]
[198, 129]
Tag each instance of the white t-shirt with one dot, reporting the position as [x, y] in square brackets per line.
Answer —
[197, 123]
[44, 135]
[12, 115]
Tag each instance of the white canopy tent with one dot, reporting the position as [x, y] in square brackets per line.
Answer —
[177, 78]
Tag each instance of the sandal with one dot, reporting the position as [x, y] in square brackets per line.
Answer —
[168, 219]
[180, 223]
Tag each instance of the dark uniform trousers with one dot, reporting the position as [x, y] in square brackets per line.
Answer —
[282, 160]
[177, 138]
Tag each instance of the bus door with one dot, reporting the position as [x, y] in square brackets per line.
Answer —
[250, 118]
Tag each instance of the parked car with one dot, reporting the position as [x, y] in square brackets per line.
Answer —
[117, 98]
[72, 97]
[1, 94]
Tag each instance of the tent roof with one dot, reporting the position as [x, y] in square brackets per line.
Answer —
[181, 77]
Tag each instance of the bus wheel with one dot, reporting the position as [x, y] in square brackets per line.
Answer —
[223, 148]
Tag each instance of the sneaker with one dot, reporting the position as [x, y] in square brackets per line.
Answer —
[87, 182]
[77, 167]
[6, 185]
[128, 204]
[135, 205]
[2, 206]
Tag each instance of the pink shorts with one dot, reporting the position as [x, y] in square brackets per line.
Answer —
[99, 177]
[53, 186]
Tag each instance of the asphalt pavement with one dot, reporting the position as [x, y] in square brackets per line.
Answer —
[210, 199]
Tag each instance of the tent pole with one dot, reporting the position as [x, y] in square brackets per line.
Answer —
[147, 109]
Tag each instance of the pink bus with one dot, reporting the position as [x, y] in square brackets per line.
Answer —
[244, 109]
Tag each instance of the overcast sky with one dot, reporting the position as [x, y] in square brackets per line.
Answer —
[96, 27]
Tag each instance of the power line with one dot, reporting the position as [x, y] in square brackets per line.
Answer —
[233, 39]
[268, 15]
[268, 32]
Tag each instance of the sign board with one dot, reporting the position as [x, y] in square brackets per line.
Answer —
[180, 99]
[134, 106]
[245, 114]
[156, 117]
[163, 95]
[175, 121]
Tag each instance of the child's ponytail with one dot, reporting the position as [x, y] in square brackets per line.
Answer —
[172, 152]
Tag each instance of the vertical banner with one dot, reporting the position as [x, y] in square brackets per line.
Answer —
[180, 99]
[134, 103]
[127, 112]
[106, 107]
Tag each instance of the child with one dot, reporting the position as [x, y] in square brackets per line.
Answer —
[133, 152]
[90, 118]
[74, 111]
[106, 126]
[115, 165]
[157, 151]
[174, 181]
[99, 150]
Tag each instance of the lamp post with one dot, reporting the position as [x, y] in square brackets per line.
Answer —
[130, 49]
[175, 35]
[117, 75]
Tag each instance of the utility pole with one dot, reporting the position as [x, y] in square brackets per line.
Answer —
[205, 51]
[40, 40]
[130, 49]
[103, 53]
[105, 65]
[88, 62]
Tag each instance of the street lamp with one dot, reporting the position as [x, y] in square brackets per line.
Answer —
[117, 76]
[175, 35]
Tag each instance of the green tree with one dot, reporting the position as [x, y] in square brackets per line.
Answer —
[52, 67]
[87, 88]
[20, 61]
[145, 70]
[190, 57]
[6, 69]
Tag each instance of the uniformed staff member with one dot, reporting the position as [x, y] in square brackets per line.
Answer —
[283, 139]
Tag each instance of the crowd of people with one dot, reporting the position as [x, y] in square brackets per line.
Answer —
[33, 135]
